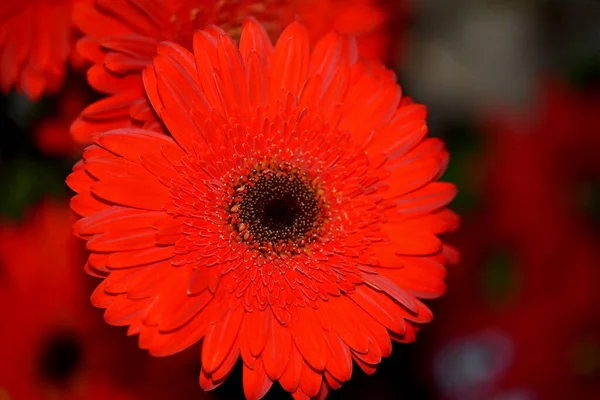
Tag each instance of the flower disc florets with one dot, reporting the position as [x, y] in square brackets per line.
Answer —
[277, 209]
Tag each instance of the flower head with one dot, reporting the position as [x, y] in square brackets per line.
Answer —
[35, 43]
[51, 132]
[368, 20]
[46, 335]
[54, 344]
[121, 38]
[289, 218]
[498, 281]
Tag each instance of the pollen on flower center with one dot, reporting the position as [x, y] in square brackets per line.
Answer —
[277, 209]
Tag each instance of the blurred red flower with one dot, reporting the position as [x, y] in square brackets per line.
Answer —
[528, 341]
[365, 19]
[36, 41]
[52, 135]
[121, 39]
[543, 339]
[290, 218]
[54, 344]
[537, 165]
[46, 326]
[568, 118]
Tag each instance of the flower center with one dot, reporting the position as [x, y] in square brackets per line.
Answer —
[59, 358]
[277, 209]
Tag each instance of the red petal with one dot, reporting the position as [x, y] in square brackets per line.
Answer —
[79, 180]
[133, 258]
[220, 339]
[123, 309]
[289, 65]
[112, 167]
[277, 349]
[339, 361]
[405, 130]
[367, 368]
[256, 81]
[143, 16]
[256, 381]
[385, 285]
[117, 218]
[300, 395]
[290, 379]
[115, 106]
[146, 194]
[93, 23]
[106, 82]
[309, 339]
[122, 240]
[332, 52]
[331, 381]
[225, 369]
[384, 312]
[427, 199]
[124, 281]
[231, 70]
[163, 345]
[257, 326]
[411, 241]
[89, 48]
[337, 311]
[85, 204]
[310, 381]
[134, 143]
[179, 92]
[371, 357]
[380, 338]
[324, 391]
[255, 39]
[181, 308]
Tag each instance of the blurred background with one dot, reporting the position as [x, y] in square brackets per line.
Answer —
[513, 86]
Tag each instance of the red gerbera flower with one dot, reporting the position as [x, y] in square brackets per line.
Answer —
[35, 43]
[547, 349]
[290, 218]
[121, 39]
[52, 132]
[537, 164]
[46, 329]
[365, 19]
[54, 344]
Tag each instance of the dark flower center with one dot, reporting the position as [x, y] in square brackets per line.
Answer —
[59, 358]
[277, 209]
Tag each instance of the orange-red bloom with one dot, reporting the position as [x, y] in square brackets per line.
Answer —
[537, 164]
[539, 340]
[290, 218]
[36, 40]
[54, 344]
[121, 38]
[47, 332]
[365, 19]
[52, 132]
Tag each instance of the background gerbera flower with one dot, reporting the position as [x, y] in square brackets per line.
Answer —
[290, 218]
[52, 131]
[36, 40]
[540, 166]
[121, 38]
[511, 332]
[365, 19]
[54, 344]
[45, 328]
